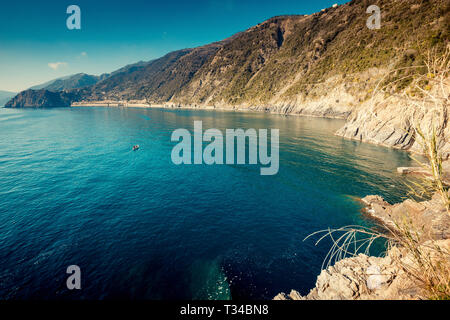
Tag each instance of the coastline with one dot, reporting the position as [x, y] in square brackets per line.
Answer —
[364, 277]
[336, 282]
[340, 115]
[310, 109]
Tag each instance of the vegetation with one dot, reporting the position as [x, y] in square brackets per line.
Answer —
[427, 263]
[288, 58]
[292, 56]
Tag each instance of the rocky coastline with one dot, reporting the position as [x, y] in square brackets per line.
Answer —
[326, 64]
[367, 278]
[378, 278]
[329, 65]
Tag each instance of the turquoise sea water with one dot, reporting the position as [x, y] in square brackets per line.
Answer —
[139, 227]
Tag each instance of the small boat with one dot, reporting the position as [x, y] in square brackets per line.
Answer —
[136, 147]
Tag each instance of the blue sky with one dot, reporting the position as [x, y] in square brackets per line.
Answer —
[36, 46]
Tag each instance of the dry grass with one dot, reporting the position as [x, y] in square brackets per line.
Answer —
[424, 261]
[434, 90]
[427, 263]
[348, 241]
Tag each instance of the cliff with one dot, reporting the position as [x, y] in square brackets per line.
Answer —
[328, 64]
[74, 81]
[41, 99]
[322, 64]
[368, 278]
[373, 278]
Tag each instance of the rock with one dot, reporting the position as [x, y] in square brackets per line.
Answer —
[41, 99]
[430, 217]
[379, 121]
[281, 296]
[426, 173]
[368, 200]
[374, 282]
[294, 295]
[373, 270]
[372, 278]
[376, 278]
[409, 170]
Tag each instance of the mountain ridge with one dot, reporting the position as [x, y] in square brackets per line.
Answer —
[73, 81]
[278, 61]
[324, 64]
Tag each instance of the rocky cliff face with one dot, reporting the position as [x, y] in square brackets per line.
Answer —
[321, 64]
[372, 278]
[74, 81]
[41, 99]
[367, 278]
[430, 217]
[359, 278]
[326, 64]
[392, 121]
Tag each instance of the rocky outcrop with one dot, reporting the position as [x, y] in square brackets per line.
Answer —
[42, 98]
[424, 172]
[380, 123]
[323, 64]
[361, 277]
[392, 122]
[372, 278]
[430, 218]
[368, 278]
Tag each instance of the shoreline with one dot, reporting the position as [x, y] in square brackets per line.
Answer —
[255, 109]
[365, 277]
[173, 106]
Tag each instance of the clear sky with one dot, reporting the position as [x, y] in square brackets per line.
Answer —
[36, 46]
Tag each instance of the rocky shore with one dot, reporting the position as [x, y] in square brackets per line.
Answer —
[391, 123]
[42, 99]
[367, 278]
[430, 217]
[372, 278]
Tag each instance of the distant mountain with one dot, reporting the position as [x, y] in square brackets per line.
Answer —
[5, 96]
[323, 64]
[74, 81]
[156, 80]
[42, 98]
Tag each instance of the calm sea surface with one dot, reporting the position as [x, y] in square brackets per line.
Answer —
[140, 227]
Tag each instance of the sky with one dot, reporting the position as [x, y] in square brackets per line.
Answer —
[36, 46]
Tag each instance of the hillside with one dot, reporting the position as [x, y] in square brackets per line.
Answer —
[324, 64]
[74, 81]
[42, 98]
